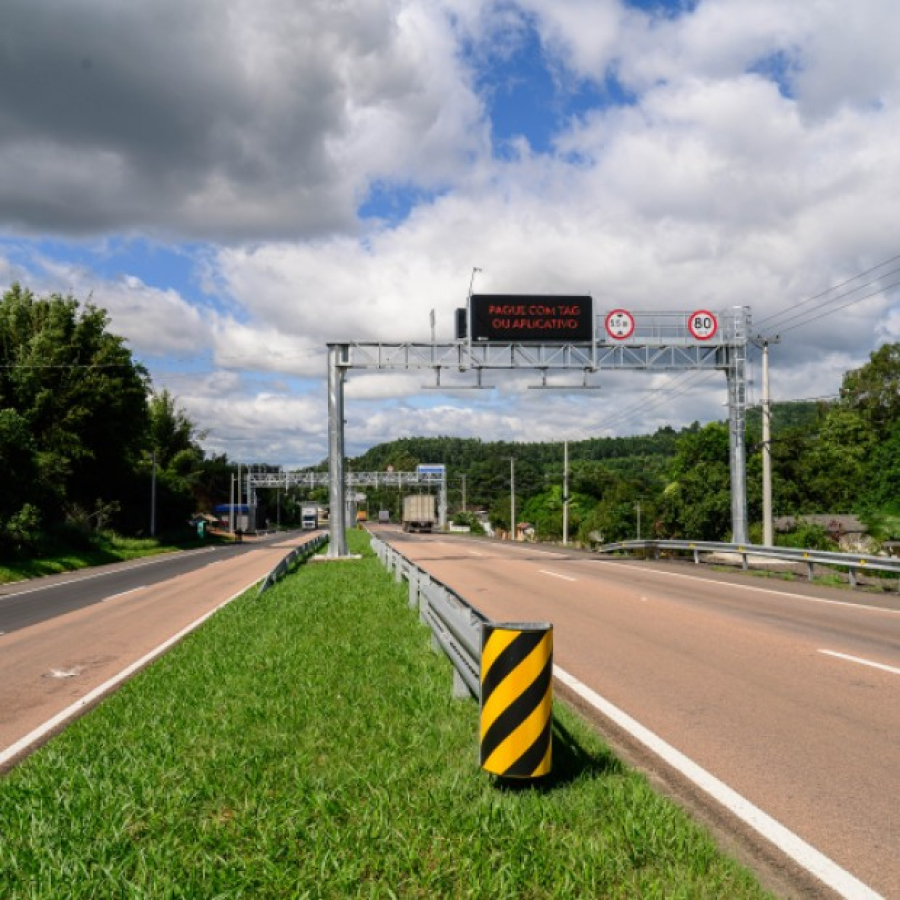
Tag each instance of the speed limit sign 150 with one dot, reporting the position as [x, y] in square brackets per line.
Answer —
[620, 324]
[702, 324]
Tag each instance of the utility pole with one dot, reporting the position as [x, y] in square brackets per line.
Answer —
[153, 498]
[463, 476]
[768, 529]
[637, 507]
[231, 507]
[512, 497]
[565, 497]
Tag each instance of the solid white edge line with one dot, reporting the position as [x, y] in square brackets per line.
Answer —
[863, 662]
[762, 590]
[815, 862]
[71, 711]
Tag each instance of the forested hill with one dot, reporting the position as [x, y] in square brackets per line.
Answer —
[677, 483]
[461, 454]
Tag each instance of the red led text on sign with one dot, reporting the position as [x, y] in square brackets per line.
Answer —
[531, 318]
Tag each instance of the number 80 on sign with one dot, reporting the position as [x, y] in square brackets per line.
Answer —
[702, 324]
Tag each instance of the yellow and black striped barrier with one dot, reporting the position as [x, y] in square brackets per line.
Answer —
[516, 699]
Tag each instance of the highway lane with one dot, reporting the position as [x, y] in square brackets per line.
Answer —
[789, 695]
[48, 669]
[27, 603]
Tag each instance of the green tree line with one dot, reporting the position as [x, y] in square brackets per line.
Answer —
[82, 430]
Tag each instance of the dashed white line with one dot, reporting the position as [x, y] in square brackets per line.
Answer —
[814, 861]
[123, 593]
[557, 575]
[863, 662]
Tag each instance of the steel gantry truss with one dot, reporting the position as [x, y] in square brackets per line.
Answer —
[307, 479]
[657, 341]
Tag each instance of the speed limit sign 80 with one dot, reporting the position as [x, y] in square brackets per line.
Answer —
[702, 324]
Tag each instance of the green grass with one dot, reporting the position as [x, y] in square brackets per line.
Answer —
[98, 549]
[306, 744]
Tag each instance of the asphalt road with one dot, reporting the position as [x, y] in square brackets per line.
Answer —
[29, 602]
[86, 629]
[789, 694]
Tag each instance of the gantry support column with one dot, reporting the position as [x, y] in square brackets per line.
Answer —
[337, 533]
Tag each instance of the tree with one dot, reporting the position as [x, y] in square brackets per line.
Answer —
[874, 389]
[172, 433]
[697, 501]
[835, 465]
[80, 398]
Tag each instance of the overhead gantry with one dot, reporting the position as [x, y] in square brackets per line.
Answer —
[616, 340]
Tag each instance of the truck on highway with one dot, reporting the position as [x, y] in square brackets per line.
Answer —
[418, 512]
[309, 518]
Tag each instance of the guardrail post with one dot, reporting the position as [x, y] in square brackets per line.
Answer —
[852, 572]
[414, 575]
[460, 688]
[423, 598]
[516, 699]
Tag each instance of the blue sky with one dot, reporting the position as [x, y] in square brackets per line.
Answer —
[238, 189]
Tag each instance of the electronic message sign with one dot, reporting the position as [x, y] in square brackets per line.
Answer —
[531, 317]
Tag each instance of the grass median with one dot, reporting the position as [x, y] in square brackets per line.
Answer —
[305, 744]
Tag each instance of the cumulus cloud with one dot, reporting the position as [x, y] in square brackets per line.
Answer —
[250, 120]
[731, 153]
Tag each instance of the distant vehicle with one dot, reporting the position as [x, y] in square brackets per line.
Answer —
[418, 512]
[309, 518]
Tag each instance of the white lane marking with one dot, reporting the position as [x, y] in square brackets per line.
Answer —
[79, 576]
[123, 593]
[753, 587]
[475, 553]
[66, 673]
[815, 862]
[556, 575]
[61, 718]
[863, 662]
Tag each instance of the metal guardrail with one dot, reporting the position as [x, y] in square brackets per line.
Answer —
[456, 625]
[304, 551]
[853, 562]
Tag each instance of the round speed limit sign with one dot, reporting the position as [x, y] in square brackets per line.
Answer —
[620, 324]
[702, 324]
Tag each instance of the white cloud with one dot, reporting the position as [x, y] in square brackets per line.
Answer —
[268, 120]
[755, 164]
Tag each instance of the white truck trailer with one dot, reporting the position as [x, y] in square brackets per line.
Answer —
[418, 512]
[309, 518]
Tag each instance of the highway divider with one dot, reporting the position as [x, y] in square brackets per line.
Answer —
[301, 553]
[455, 624]
[511, 678]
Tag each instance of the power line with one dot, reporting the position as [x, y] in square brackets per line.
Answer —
[881, 290]
[661, 395]
[776, 321]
